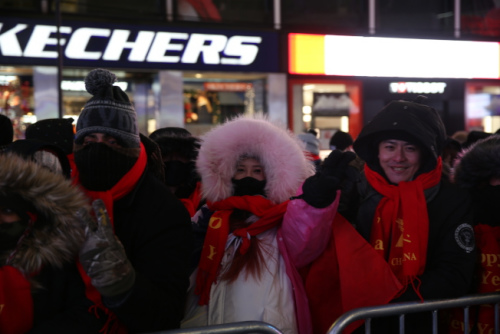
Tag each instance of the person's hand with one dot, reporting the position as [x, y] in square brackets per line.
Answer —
[320, 189]
[336, 163]
[102, 255]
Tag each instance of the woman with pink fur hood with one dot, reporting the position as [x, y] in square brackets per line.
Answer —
[267, 216]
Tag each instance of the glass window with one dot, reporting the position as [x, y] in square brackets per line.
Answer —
[16, 100]
[326, 107]
[225, 11]
[480, 18]
[422, 17]
[482, 107]
[210, 100]
[344, 14]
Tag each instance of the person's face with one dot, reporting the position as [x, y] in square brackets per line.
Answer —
[249, 167]
[97, 137]
[8, 216]
[400, 160]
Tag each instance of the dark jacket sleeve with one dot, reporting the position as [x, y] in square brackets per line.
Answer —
[155, 229]
[60, 304]
[451, 253]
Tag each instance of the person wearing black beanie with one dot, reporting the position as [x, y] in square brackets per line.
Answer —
[142, 274]
[179, 150]
[412, 238]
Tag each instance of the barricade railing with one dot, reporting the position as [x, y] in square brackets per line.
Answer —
[400, 309]
[230, 328]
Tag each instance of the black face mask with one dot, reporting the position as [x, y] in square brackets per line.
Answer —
[10, 234]
[177, 172]
[101, 167]
[248, 186]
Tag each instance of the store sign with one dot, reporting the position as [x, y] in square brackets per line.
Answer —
[392, 57]
[135, 46]
[417, 87]
[79, 86]
[227, 86]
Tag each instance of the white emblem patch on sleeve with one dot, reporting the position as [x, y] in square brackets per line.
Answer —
[464, 236]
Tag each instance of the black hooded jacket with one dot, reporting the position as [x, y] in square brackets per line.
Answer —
[451, 254]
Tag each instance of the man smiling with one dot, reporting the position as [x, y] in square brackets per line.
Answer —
[412, 238]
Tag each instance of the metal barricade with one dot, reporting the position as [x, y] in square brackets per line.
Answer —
[400, 309]
[231, 328]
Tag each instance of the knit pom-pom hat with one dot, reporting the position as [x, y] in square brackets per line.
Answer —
[109, 111]
[277, 149]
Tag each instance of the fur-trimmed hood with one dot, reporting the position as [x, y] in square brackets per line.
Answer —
[478, 163]
[57, 234]
[279, 151]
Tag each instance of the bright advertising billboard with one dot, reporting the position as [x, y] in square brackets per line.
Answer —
[392, 57]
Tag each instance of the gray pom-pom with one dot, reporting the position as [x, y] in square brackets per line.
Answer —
[98, 80]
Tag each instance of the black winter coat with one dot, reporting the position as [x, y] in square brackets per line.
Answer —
[451, 253]
[155, 230]
[47, 256]
[61, 305]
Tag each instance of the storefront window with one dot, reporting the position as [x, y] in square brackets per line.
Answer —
[16, 101]
[212, 101]
[482, 107]
[326, 107]
[345, 15]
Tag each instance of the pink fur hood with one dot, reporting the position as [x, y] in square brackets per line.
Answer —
[280, 152]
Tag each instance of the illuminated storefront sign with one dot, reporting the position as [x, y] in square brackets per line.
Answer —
[417, 87]
[227, 86]
[79, 86]
[137, 46]
[392, 57]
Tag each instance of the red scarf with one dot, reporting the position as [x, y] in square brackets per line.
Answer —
[351, 273]
[119, 190]
[193, 201]
[401, 224]
[312, 156]
[270, 216]
[16, 304]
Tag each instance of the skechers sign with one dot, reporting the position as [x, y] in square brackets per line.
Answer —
[137, 46]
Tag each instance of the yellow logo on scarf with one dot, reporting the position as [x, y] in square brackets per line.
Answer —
[215, 223]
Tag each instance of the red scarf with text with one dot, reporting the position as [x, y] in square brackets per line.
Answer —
[270, 215]
[401, 224]
[119, 190]
[16, 304]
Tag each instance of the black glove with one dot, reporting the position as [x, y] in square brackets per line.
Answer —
[320, 189]
[102, 255]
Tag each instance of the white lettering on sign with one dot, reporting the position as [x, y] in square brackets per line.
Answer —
[208, 45]
[77, 45]
[40, 38]
[245, 53]
[118, 42]
[162, 44]
[9, 45]
[417, 87]
[148, 46]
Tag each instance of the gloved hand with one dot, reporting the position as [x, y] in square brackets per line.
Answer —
[102, 255]
[320, 189]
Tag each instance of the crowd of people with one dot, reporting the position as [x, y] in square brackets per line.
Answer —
[104, 229]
